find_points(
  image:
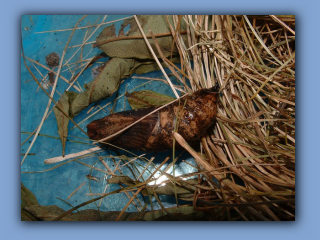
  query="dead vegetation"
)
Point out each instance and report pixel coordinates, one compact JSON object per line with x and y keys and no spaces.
{"x":246,"y":163}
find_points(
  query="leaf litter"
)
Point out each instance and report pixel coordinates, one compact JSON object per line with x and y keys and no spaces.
{"x":251,"y":151}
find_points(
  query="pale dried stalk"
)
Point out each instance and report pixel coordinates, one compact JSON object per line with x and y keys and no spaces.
{"x":101,"y":108}
{"x":283,"y":24}
{"x":45,"y":67}
{"x":127,"y":205}
{"x":69,"y":156}
{"x":76,"y":190}
{"x":212,"y":171}
{"x":129,"y":126}
{"x":83,"y":44}
{"x":52,"y":92}
{"x":155,"y":57}
{"x":96,"y":25}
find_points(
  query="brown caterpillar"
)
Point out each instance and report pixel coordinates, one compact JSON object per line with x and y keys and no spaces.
{"x":196,"y":113}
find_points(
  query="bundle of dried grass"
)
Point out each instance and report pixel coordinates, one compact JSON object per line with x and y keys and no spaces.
{"x":251,"y":152}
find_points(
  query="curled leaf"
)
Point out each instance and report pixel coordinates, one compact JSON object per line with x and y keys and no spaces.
{"x":62,"y":120}
{"x":27,"y":197}
{"x":132,"y":44}
{"x":147,"y":98}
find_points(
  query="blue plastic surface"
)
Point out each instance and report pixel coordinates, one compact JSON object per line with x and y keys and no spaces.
{"x":50,"y":186}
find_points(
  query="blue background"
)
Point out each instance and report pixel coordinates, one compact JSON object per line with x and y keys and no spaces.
{"x":50,"y":187}
{"x":307,"y":213}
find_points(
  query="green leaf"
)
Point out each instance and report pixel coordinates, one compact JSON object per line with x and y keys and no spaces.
{"x":45,"y":213}
{"x":132,"y":44}
{"x":62,"y":120}
{"x":147,"y":98}
{"x":26,"y":216}
{"x":27,"y":197}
